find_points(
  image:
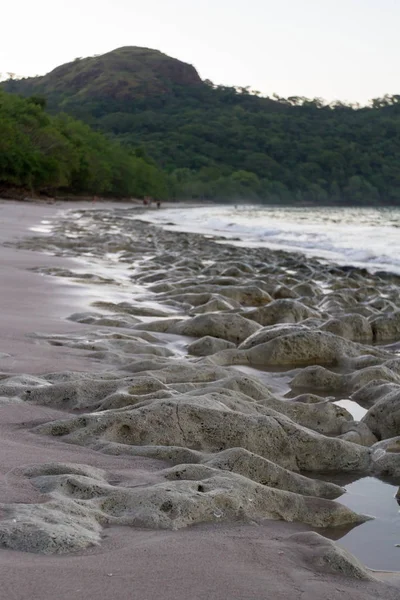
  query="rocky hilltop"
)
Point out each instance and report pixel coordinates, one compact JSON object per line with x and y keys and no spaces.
{"x":128,"y":72}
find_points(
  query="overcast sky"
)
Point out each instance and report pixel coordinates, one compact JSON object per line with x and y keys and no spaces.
{"x":335,"y":49}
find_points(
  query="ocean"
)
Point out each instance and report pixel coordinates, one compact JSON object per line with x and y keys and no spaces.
{"x":362,"y":237}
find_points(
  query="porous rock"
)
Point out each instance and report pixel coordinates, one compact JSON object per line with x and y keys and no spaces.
{"x":304,"y":348}
{"x":231,"y":327}
{"x":201,"y":423}
{"x":208,"y":345}
{"x":383,"y":419}
{"x":386,"y":327}
{"x":80,"y":506}
{"x":327,"y":557}
{"x":281,"y":311}
{"x":352,"y":327}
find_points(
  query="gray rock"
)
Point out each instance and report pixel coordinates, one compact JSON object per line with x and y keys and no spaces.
{"x":325,"y":556}
{"x":208,"y":345}
{"x":205,"y":423}
{"x":351,"y":327}
{"x":80,"y":506}
{"x":231,"y":327}
{"x":386,"y":327}
{"x":383,"y":419}
{"x":281,"y":311}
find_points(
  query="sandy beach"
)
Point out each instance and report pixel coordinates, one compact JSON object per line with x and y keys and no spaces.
{"x":146,"y":448}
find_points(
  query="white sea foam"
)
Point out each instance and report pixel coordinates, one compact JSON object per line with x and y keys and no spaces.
{"x":363,"y":237}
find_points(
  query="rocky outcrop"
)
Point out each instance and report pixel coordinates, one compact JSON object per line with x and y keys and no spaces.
{"x":230,"y":327}
{"x":81,"y":505}
{"x":324,"y":555}
{"x":231,"y":420}
{"x":209,"y":345}
{"x":125,"y":73}
{"x":281,"y":311}
{"x":383,"y":419}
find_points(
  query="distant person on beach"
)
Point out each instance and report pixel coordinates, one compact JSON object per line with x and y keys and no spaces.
{"x":158,"y":203}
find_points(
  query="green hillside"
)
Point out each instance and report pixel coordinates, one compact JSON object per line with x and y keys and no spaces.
{"x":40,"y":153}
{"x":225,"y":143}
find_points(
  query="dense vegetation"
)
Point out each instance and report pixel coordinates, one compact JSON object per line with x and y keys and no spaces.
{"x":224,"y":143}
{"x":218,"y":142}
{"x":40,"y":153}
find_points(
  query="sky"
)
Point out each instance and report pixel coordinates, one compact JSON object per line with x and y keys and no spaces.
{"x":333,"y":49}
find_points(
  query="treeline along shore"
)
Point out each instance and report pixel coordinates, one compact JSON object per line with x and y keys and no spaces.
{"x":153,"y":127}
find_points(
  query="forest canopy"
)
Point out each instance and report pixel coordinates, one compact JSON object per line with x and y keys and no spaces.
{"x":58,"y":154}
{"x":153,"y":127}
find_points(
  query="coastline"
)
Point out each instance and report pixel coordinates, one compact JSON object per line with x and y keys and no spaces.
{"x":366,"y":238}
{"x":32,"y":302}
{"x":215,"y":560}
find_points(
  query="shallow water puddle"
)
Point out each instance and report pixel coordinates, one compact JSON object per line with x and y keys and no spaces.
{"x":356,"y":411}
{"x":374,"y":542}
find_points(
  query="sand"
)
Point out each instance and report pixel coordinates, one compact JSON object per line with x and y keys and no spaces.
{"x":255,"y":558}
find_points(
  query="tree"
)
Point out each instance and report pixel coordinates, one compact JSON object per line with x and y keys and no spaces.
{"x":207,"y":141}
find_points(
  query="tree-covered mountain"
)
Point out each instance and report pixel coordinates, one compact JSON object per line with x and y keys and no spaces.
{"x":219,"y":142}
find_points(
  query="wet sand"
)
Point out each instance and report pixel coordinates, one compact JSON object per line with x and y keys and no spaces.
{"x":31,"y":302}
{"x":214,"y":560}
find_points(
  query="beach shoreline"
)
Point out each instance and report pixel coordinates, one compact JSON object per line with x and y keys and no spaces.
{"x":212,"y":561}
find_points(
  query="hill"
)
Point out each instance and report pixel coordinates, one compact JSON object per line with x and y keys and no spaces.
{"x":120,"y":75}
{"x":219,"y":142}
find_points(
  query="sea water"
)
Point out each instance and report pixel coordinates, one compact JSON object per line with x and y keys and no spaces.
{"x":362,"y":237}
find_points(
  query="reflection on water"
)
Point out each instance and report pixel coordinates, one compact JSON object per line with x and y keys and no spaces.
{"x":374,"y":542}
{"x":356,"y":411}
